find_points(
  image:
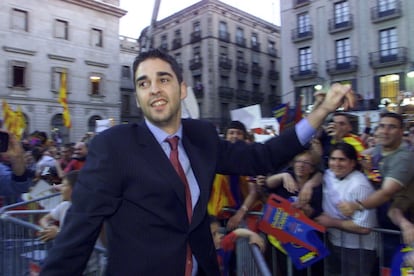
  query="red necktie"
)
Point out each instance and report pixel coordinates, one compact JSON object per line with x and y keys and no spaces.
{"x":173,"y":142}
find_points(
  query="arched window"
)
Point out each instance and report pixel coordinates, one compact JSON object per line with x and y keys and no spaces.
{"x":59,"y":133}
{"x":92,"y":122}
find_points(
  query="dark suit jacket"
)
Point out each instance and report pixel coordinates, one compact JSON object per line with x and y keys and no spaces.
{"x":129,"y":182}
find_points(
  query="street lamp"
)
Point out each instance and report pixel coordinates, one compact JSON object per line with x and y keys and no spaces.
{"x":319,"y":83}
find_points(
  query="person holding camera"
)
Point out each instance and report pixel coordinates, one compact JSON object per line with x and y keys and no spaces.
{"x":15,"y":178}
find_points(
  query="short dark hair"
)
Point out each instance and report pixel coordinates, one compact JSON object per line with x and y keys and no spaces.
{"x":237,"y":125}
{"x":344,"y":114}
{"x":72,"y":177}
{"x":348,"y":150}
{"x":157,"y":53}
{"x":394,"y":115}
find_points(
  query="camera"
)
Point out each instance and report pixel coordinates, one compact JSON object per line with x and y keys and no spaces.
{"x":4,"y":141}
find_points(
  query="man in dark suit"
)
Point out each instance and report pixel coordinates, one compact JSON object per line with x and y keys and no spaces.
{"x":129,"y":183}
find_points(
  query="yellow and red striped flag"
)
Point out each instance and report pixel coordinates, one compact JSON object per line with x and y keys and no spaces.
{"x":64,"y":101}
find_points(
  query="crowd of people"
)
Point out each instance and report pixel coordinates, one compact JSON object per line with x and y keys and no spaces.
{"x":158,"y":222}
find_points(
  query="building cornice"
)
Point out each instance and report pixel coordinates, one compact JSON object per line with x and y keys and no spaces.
{"x":61,"y":58}
{"x":19,"y":51}
{"x":96,"y":64}
{"x":99,"y":6}
{"x":219,"y":7}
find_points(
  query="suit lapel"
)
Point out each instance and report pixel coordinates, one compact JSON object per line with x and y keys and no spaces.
{"x":155,"y":155}
{"x":199,"y":163}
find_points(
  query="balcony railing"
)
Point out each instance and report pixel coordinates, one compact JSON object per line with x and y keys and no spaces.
{"x":225,"y":63}
{"x":195,"y":36}
{"x":389,"y":57}
{"x":302,"y":33}
{"x":257,"y":97}
{"x":302,"y":72}
{"x":342,"y":65}
{"x":224,"y":36}
{"x":195,"y":63}
{"x":256,"y":46}
{"x":274,"y":99}
{"x":378,"y":13}
{"x":241,"y":41}
{"x":257,"y":70}
{"x":300,"y":3}
{"x":226,"y":93}
{"x":176,"y":43}
{"x":273,"y":74}
{"x":242,"y":95}
{"x":344,"y":25}
{"x":164,"y":46}
{"x":242,"y":67}
{"x":272,"y":52}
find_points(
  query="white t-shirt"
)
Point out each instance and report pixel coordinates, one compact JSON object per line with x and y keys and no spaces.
{"x":355,"y":186}
{"x":59,"y":212}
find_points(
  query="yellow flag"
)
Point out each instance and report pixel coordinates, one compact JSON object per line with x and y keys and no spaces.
{"x":13,"y":121}
{"x":63,"y":100}
{"x":20,"y":122}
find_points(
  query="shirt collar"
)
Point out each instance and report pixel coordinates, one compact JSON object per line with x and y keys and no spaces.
{"x":160,"y":135}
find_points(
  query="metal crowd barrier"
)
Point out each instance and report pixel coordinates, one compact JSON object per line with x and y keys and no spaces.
{"x":21,"y":251}
{"x":250,"y":261}
{"x":380,"y":268}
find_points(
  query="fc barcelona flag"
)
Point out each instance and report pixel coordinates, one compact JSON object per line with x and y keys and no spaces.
{"x":281,"y":113}
{"x":64,"y":101}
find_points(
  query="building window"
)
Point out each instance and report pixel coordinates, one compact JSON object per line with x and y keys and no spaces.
{"x":224,"y":52}
{"x":305,"y":59}
{"x":240,"y":36}
{"x":196,"y":26}
{"x":224,"y":81}
{"x":223,"y":34}
{"x":388,"y":42}
{"x":126,"y":103}
{"x":272,"y":65}
{"x":273,"y":89}
{"x":390,"y":87}
{"x":61,"y":29}
{"x":272,"y":48}
{"x":164,"y":42}
{"x":306,"y":92}
{"x":97,"y":39}
{"x":57,"y":79}
{"x":386,"y":5}
{"x":95,"y":84}
{"x":126,"y":72}
{"x":255,"y":58}
{"x":177,"y":57}
{"x":240,"y":56}
{"x":20,"y":20}
{"x":177,"y":33}
{"x":92,"y":122}
{"x":343,"y":50}
{"x":255,"y":39}
{"x":341,"y":12}
{"x":18,"y":74}
{"x":197,"y":83}
{"x":196,"y":54}
{"x":304,"y":23}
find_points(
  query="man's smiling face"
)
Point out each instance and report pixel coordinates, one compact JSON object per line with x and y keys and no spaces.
{"x":159,"y":94}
